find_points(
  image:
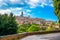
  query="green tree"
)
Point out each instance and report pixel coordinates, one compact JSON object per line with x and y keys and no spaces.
{"x":8,"y":24}
{"x":57,"y":9}
{"x":23,"y":28}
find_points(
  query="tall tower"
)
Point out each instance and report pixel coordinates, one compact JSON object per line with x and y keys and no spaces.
{"x":21,"y":14}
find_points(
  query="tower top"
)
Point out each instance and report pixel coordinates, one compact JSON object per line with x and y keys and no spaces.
{"x":21,"y":14}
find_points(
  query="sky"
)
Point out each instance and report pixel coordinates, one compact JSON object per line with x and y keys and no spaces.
{"x":35,"y":8}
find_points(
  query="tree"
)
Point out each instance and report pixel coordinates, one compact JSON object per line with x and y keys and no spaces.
{"x":23,"y":28}
{"x":8,"y":24}
{"x":57,"y":9}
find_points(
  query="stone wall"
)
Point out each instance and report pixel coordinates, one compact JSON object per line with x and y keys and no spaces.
{"x":22,"y":35}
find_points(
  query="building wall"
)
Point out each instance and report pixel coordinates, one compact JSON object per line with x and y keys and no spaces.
{"x":26,"y":20}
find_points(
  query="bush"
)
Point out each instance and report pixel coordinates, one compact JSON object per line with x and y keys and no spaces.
{"x":23,"y":28}
{"x":50,"y":28}
{"x":33,"y":28}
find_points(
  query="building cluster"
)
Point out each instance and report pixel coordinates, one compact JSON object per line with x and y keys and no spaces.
{"x":27,"y":20}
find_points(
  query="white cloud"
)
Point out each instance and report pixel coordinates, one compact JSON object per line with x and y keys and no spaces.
{"x":17,"y":2}
{"x":14,"y":10}
{"x":41,"y":3}
{"x":51,"y":5}
{"x":14,"y":1}
{"x":5,"y":11}
{"x":32,"y":3}
{"x":28,"y":10}
{"x":19,"y":8}
{"x":2,"y":3}
{"x":27,"y":14}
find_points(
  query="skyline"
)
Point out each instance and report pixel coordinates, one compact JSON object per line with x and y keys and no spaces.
{"x":35,"y":8}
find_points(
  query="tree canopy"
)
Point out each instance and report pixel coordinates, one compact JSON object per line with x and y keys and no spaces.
{"x":57,"y":8}
{"x":8,"y":24}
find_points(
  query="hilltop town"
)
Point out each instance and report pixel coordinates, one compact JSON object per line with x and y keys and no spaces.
{"x":27,"y":20}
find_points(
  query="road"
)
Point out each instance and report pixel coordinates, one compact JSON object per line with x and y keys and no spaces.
{"x":52,"y":36}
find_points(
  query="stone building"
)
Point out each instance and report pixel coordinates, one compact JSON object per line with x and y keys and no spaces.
{"x":27,"y":20}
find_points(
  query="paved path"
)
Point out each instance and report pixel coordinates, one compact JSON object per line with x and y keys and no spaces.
{"x":52,"y":36}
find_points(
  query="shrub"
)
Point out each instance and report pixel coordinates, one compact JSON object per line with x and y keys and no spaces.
{"x":33,"y":28}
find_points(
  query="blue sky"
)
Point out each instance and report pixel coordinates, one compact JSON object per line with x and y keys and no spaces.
{"x":35,"y":8}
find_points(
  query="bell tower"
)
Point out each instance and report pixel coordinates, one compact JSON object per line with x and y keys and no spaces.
{"x":21,"y":14}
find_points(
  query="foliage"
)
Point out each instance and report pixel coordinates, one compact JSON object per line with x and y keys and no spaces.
{"x":50,"y":28}
{"x":23,"y":27}
{"x":57,"y":8}
{"x":33,"y":28}
{"x":8,"y":24}
{"x":28,"y":28}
